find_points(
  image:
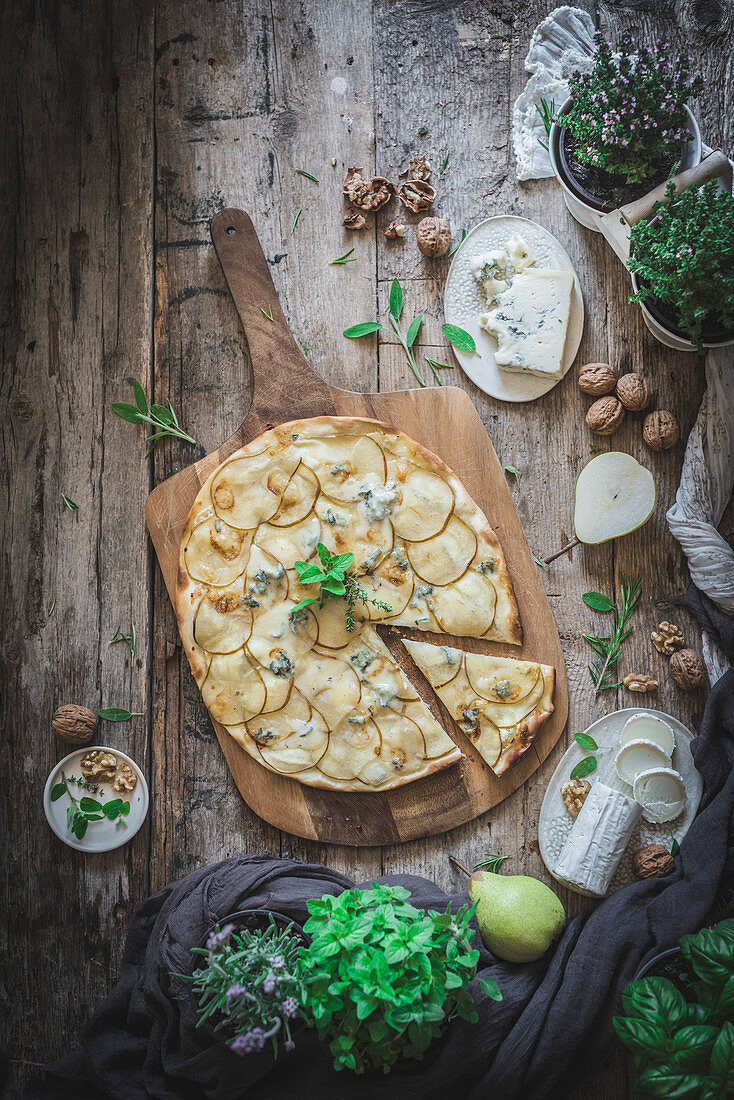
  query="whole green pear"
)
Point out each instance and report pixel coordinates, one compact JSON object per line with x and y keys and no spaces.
{"x":518,"y":916}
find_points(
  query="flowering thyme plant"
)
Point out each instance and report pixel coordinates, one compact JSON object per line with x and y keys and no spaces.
{"x":627,"y":111}
{"x":250,"y":986}
{"x":383,"y":976}
{"x":684,"y":257}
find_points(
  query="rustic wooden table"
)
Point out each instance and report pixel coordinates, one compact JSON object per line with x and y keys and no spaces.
{"x":125,"y":128}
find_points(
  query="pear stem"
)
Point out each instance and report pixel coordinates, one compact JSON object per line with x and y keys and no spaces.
{"x":564,"y":550}
{"x":461,"y":866}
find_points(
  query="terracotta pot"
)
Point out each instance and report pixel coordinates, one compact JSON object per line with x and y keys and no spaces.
{"x":584,"y":206}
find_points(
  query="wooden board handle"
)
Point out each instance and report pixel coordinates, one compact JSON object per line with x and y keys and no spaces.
{"x":278,"y":364}
{"x":715,"y":164}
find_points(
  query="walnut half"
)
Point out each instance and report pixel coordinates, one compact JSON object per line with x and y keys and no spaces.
{"x":667,"y":638}
{"x":638,"y":681}
{"x":125,"y":780}
{"x":99,"y":764}
{"x":573,"y":793}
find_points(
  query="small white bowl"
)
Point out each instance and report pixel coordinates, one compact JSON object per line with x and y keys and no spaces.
{"x":101,"y":836}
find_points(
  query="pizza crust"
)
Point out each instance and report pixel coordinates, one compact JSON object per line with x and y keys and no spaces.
{"x":422,"y":546}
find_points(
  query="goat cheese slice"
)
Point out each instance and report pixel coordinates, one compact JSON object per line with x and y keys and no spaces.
{"x":598,"y":839}
{"x":530,"y":322}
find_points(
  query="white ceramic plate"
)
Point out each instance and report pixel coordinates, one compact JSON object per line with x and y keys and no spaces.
{"x":101,"y":836}
{"x":556,"y":822}
{"x":463,"y":305}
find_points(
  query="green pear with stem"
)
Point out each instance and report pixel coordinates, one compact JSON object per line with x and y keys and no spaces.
{"x":518,"y":916}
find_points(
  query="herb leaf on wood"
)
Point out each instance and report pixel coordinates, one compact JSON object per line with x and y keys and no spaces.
{"x":67,"y":503}
{"x":607,"y":648}
{"x":160,"y":416}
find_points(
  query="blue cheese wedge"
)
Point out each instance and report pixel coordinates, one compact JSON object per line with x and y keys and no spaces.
{"x":597,"y":840}
{"x":530,"y":322}
{"x":495,"y":271}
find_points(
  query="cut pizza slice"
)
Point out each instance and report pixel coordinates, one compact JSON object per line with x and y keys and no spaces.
{"x":498,"y":702}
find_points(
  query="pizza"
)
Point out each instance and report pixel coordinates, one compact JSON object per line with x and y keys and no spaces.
{"x":302,"y":693}
{"x":498,"y":702}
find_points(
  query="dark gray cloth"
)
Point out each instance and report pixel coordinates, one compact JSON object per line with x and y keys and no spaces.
{"x":554,"y":1021}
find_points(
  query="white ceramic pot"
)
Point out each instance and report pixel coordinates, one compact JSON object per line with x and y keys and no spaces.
{"x":672,"y":336}
{"x":582,"y":206}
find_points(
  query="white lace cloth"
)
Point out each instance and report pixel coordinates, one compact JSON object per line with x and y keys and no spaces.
{"x":562,"y":43}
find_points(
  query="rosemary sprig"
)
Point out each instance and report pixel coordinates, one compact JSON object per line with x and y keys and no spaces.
{"x":491,"y":862}
{"x":436,"y":367}
{"x":66,"y":502}
{"x":347,"y":258}
{"x":546,"y":111}
{"x":444,"y":162}
{"x":129,"y":639}
{"x":406,"y":339}
{"x":159,"y":416}
{"x":296,"y":216}
{"x":458,"y":245}
{"x":308,"y":175}
{"x":267,"y":313}
{"x":609,"y":647}
{"x":50,"y":611}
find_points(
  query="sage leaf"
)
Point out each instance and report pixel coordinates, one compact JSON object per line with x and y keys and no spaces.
{"x":363,"y":329}
{"x":396,"y":299}
{"x":57,"y":790}
{"x":584,"y":767}
{"x":459,"y":337}
{"x":413,"y":330}
{"x":511,"y":470}
{"x":598,"y":601}
{"x":127,"y":411}
{"x":90,"y":804}
{"x":140,"y":399}
{"x":160,"y":412}
{"x":586,"y":741}
{"x":117,"y":714}
{"x":674,"y":847}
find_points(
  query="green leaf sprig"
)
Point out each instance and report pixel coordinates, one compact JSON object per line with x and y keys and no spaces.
{"x":334,"y":581}
{"x":681,"y":1047}
{"x":589,"y":763}
{"x":444,"y":162}
{"x":345,"y":258}
{"x":161,"y":417}
{"x":407,"y":339}
{"x":67,"y":503}
{"x":609,"y":647}
{"x":129,"y":639}
{"x":363,"y":329}
{"x":490,"y":862}
{"x":296,"y":216}
{"x":383,"y":976}
{"x":85,"y":810}
{"x":118,"y":714}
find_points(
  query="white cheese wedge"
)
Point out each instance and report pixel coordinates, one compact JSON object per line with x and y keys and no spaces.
{"x":530,"y":322}
{"x":648,"y":727}
{"x":598,"y":839}
{"x":661,"y":792}
{"x":639,"y":756}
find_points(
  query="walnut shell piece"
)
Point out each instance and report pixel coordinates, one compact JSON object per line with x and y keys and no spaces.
{"x":688,"y":669}
{"x":654,"y":861}
{"x":354,"y":221}
{"x":354,"y":185}
{"x":372,"y":195}
{"x":125,"y":780}
{"x":99,"y":764}
{"x":639,"y":681}
{"x":395,"y":229}
{"x":433,"y":236}
{"x":573,"y":793}
{"x":667,"y":638}
{"x":634,"y":392}
{"x":605,"y":415}
{"x":419,"y":167}
{"x":597,"y":379}
{"x":73,"y":724}
{"x":416,"y":195}
{"x":660,"y":430}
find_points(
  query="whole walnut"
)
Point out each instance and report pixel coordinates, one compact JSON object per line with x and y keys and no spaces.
{"x":597,"y":379}
{"x":433,"y":236}
{"x":688,"y":669}
{"x":654,"y":861}
{"x":73,"y":724}
{"x":660,"y":430}
{"x":634,"y":392}
{"x":605,"y":415}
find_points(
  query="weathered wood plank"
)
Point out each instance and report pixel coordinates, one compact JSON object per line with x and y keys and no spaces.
{"x":77,"y":221}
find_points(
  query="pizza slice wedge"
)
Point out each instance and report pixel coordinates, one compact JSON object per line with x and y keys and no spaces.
{"x":499,"y":703}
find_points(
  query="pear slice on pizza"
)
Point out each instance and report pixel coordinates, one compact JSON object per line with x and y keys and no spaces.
{"x":499,"y":703}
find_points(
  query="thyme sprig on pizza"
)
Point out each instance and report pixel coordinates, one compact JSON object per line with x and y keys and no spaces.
{"x":333,"y":580}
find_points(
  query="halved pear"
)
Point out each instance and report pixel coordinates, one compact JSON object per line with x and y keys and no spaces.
{"x":614,"y":495}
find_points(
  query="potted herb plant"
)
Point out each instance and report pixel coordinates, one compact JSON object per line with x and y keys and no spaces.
{"x":249,"y":991}
{"x":682,"y":265}
{"x":383,"y":978}
{"x":679,"y":1018}
{"x":624,"y":128}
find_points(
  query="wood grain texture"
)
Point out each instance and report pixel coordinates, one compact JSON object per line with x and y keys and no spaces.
{"x":126,"y":128}
{"x":286,"y":387}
